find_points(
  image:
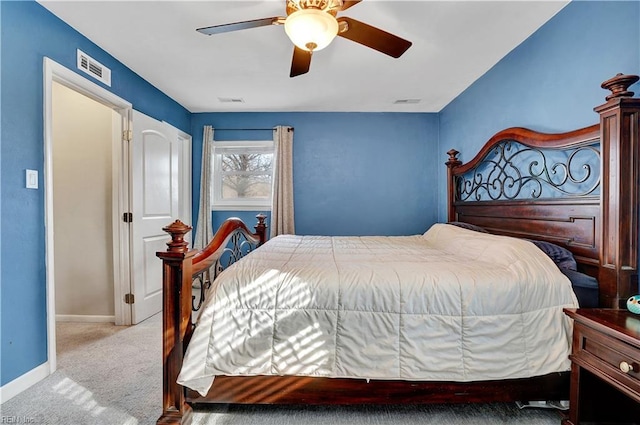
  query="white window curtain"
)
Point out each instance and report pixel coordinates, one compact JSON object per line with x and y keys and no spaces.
{"x":204,"y":226}
{"x":282,"y":190}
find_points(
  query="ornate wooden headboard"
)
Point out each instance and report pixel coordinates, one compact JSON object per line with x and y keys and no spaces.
{"x":578,"y":189}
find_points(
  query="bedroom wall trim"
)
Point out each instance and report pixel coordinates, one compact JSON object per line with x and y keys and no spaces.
{"x":84,"y":318}
{"x":21,"y":383}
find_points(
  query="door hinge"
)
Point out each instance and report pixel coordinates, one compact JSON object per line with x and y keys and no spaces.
{"x":129,"y":298}
{"x":127,"y":217}
{"x":127,"y":135}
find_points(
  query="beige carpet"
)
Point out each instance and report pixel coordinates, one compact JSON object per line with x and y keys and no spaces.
{"x":112,"y":375}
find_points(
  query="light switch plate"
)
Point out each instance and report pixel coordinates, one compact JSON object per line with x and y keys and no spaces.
{"x":32,"y":179}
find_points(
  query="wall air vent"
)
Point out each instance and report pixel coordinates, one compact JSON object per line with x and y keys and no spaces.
{"x":230,"y":100}
{"x":94,"y":68}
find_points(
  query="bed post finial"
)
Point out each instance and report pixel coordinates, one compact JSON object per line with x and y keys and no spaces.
{"x":453,"y":160}
{"x":177,"y":230}
{"x":261,"y":228}
{"x":619,"y":85}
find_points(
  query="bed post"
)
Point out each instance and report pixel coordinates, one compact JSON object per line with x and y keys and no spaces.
{"x":261,"y":228}
{"x":451,"y":163}
{"x":176,"y":326}
{"x":620,"y":145}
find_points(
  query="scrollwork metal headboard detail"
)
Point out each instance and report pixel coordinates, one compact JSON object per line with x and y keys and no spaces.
{"x":237,"y":248}
{"x":512,"y":170}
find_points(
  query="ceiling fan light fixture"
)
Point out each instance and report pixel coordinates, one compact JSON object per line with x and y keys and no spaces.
{"x":311,"y":29}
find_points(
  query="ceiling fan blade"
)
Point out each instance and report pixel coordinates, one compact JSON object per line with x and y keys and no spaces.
{"x":373,"y":37}
{"x":347,"y":4}
{"x":301,"y":62}
{"x":236,"y":26}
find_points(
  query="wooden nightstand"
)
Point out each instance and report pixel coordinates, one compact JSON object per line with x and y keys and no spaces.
{"x":605,"y":367}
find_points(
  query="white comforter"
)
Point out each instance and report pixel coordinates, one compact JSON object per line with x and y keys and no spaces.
{"x":449,"y":305}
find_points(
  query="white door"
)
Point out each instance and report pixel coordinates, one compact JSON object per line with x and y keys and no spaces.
{"x":154,"y":204}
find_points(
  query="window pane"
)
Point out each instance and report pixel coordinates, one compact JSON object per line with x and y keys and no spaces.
{"x":244,"y":186}
{"x":242,"y":174}
{"x":247,"y":162}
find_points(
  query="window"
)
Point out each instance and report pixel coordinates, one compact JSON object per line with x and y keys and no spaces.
{"x":242,"y":173}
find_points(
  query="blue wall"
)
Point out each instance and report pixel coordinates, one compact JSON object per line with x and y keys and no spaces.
{"x":28,"y":33}
{"x":550,"y":82}
{"x":355,"y":173}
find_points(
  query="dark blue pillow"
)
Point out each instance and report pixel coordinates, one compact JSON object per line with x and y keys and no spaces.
{"x":584,"y":286}
{"x":467,"y":226}
{"x":561,"y":256}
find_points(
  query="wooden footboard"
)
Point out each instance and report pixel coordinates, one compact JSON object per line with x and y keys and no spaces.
{"x":180,"y":266}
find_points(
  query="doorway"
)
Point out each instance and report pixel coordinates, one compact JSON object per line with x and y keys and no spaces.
{"x":56,"y":73}
{"x":118,"y":251}
{"x":83,"y":136}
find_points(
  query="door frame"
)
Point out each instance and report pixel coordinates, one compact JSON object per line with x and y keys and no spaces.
{"x":53,"y":71}
{"x":186,"y":176}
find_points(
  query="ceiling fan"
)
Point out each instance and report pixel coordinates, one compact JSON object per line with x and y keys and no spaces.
{"x":312,"y":25}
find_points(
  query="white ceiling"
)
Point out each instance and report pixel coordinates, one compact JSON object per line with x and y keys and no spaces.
{"x":454,"y":43}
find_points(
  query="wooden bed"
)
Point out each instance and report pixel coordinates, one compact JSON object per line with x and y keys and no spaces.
{"x":599,"y":225}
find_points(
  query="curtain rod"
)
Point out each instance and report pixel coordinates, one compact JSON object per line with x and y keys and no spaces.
{"x":248,"y":129}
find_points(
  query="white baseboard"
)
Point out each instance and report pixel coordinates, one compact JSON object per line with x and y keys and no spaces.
{"x":84,"y":318}
{"x":21,"y":383}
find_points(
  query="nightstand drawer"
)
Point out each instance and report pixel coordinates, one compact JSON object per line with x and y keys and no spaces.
{"x":605,"y":367}
{"x":619,"y":361}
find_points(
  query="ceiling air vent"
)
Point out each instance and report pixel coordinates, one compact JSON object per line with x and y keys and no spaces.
{"x":230,"y":100}
{"x":406,"y":101}
{"x":94,"y":68}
